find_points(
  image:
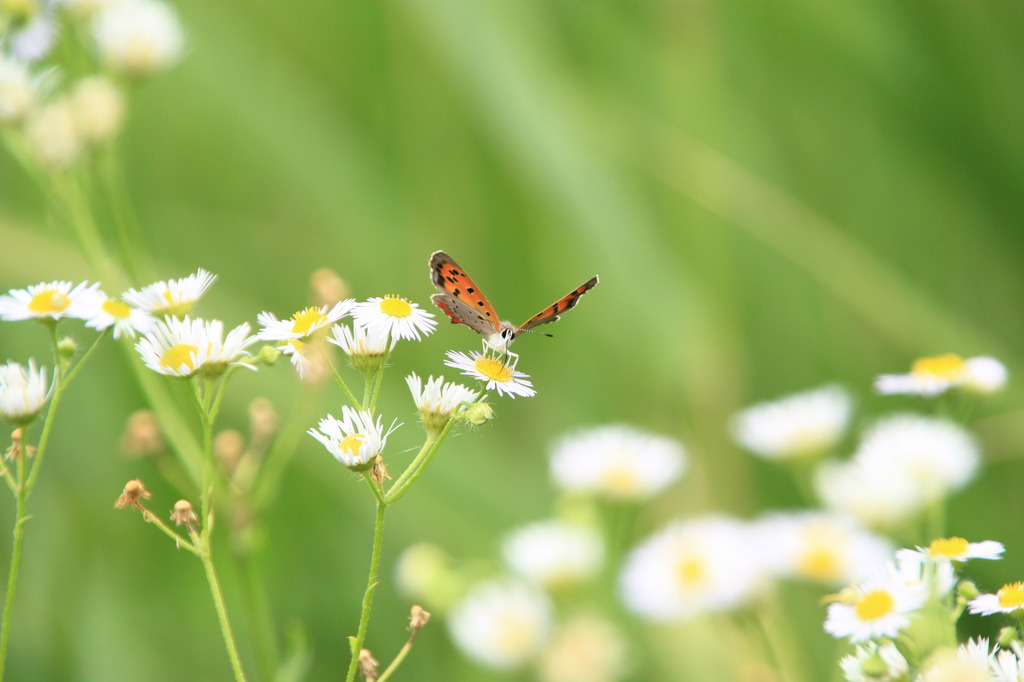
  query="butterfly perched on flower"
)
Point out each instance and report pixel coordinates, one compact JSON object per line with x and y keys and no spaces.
{"x":462,"y":301}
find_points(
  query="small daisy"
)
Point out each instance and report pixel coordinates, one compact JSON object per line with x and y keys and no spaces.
{"x":970,"y":662}
{"x":875,"y":663}
{"x":958,"y":549}
{"x":554,"y":554}
{"x":309,"y":358}
{"x":360,"y":343}
{"x":875,"y":609}
{"x":501,"y":624}
{"x":302,"y":324}
{"x":1009,"y":599}
{"x":183,"y":347}
{"x":499,"y":376}
{"x":355,"y":440}
{"x":804,"y":424}
{"x":138,"y":38}
{"x":618,"y":462}
{"x":821,"y":547}
{"x":101,"y":312}
{"x":174,"y":297}
{"x":437,"y":401}
{"x":934,"y":375}
{"x":47,"y":301}
{"x":396,"y":316}
{"x":691,"y":568}
{"x":1007,"y":666}
{"x":23,"y":391}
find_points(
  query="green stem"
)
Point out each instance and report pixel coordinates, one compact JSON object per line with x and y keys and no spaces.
{"x":371,"y":584}
{"x":149,"y":517}
{"x":393,"y":666}
{"x":341,"y":382}
{"x":12,"y":577}
{"x":218,"y":603}
{"x":259,"y":615}
{"x":418,"y":464}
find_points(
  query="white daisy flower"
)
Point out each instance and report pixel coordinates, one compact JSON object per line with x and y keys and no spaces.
{"x":936,"y":578}
{"x":498,"y":376}
{"x":436,"y":400}
{"x":875,"y":609}
{"x":18,"y":90}
{"x":1007,"y":666}
{"x":355,"y":440}
{"x":302,"y":324}
{"x":934,"y":375}
{"x":23,"y":391}
{"x":50,"y":300}
{"x":501,"y":624}
{"x":309,"y":358}
{"x":585,"y":649}
{"x":1009,"y":599}
{"x":182,"y":347}
{"x":958,"y":549}
{"x":691,"y":568}
{"x":971,"y":662}
{"x":138,"y":38}
{"x":100,"y":312}
{"x":553,"y":554}
{"x":358,"y":341}
{"x":868,"y":494}
{"x":398,"y":317}
{"x":618,"y":462}
{"x":870,"y":659}
{"x":821,"y":547}
{"x":803,"y":424}
{"x":174,"y":297}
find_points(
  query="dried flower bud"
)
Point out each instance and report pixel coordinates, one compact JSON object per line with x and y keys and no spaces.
{"x":228,"y":447}
{"x":183,"y":514}
{"x":142,"y":435}
{"x":17,"y":448}
{"x":263,"y":421}
{"x":133,"y":492}
{"x":378,"y":472}
{"x":328,"y":288}
{"x":368,"y":665}
{"x":418,"y":617}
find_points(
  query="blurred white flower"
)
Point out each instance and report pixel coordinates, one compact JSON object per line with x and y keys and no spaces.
{"x":309,"y":358}
{"x":1009,"y":599}
{"x":496,"y":374}
{"x":958,"y":549}
{"x":584,"y":649}
{"x":47,"y":300}
{"x":1007,"y":666}
{"x":799,"y":425}
{"x":970,"y":662}
{"x":183,"y":347}
{"x":18,"y":90}
{"x":34,"y":39}
{"x":885,"y":658}
{"x":356,"y":439}
{"x":98,"y":107}
{"x":937,"y":374}
{"x":618,"y":462}
{"x":23,"y":391}
{"x":138,"y":38}
{"x":821,"y":547}
{"x":501,"y":624}
{"x":173,"y":297}
{"x":553,"y":553}
{"x":53,"y":135}
{"x":690,"y":568}
{"x":394,"y":315}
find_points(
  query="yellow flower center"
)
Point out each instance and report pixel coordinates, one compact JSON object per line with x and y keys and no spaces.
{"x":350,"y":444}
{"x":492,"y":369}
{"x":874,"y":605}
{"x":819,"y":563}
{"x":116,"y":309}
{"x":949,"y":367}
{"x":691,"y":573}
{"x":307,"y":319}
{"x":948,"y":548}
{"x":619,"y":482}
{"x":179,"y":355}
{"x":515,"y":636}
{"x":392,"y":306}
{"x":1011,"y":595}
{"x":48,"y":301}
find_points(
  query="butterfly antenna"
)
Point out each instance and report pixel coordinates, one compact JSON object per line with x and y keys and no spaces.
{"x":534,"y":331}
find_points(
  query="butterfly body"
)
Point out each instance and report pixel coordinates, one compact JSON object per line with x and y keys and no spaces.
{"x":461,"y":300}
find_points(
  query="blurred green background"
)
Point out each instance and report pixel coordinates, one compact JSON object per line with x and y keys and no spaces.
{"x":775,"y":195}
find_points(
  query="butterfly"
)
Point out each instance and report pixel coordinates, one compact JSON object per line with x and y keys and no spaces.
{"x":462,"y":300}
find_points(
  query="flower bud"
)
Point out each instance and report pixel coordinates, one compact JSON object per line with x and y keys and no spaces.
{"x":142,"y":435}
{"x":133,"y":492}
{"x":328,"y":288}
{"x":479,"y":414}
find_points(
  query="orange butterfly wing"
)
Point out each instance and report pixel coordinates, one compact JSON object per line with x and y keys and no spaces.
{"x":553,"y":311}
{"x":460,"y":298}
